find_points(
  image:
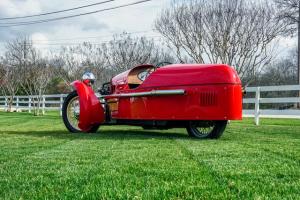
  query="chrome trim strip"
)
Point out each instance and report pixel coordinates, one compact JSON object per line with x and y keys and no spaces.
{"x":151,"y":93}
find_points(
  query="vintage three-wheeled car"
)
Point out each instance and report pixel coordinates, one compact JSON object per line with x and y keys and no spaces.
{"x":198,"y":97}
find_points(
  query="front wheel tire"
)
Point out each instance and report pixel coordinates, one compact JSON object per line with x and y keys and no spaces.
{"x":71,"y":112}
{"x":206,"y":130}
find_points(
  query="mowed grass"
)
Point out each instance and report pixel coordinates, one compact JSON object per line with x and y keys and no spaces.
{"x":39,"y":159}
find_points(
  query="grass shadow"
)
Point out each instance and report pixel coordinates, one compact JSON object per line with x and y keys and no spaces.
{"x":103,"y":134}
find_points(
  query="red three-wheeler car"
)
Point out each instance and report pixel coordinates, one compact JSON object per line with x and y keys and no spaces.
{"x":198,"y":97}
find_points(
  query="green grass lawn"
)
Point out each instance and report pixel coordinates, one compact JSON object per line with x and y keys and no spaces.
{"x":39,"y":159}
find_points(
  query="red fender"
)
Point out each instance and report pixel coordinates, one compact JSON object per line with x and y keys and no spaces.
{"x":91,"y":111}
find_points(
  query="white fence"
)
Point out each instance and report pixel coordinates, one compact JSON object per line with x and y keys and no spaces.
{"x":49,"y":102}
{"x":257,"y":101}
{"x":54,"y":102}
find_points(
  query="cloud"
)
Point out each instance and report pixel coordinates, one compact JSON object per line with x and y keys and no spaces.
{"x":39,"y":38}
{"x":10,"y":8}
{"x":129,"y":19}
{"x":287,"y":42}
{"x":93,"y":25}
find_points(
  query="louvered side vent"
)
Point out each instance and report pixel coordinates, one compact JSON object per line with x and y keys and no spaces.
{"x":208,"y":99}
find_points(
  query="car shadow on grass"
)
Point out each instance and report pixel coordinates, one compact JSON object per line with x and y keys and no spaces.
{"x":103,"y":135}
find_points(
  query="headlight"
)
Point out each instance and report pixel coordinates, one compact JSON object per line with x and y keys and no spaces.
{"x":88,"y":76}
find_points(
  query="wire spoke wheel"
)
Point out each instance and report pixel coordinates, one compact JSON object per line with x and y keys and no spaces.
{"x":73,"y":112}
{"x":206,"y":129}
{"x":203,"y":130}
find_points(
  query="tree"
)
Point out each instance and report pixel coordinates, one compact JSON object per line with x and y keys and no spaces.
{"x":67,"y":64}
{"x":235,"y":32}
{"x":9,"y":82}
{"x":106,"y":60}
{"x":72,"y":62}
{"x":33,"y":72}
{"x":288,"y":12}
{"x":94,"y":60}
{"x":125,"y":52}
{"x":281,"y":71}
{"x":3,"y":90}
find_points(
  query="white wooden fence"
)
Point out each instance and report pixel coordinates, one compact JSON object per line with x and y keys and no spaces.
{"x":54,"y":102}
{"x":257,"y":101}
{"x":49,"y":102}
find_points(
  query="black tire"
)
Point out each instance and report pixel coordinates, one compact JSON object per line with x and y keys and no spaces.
{"x":215,"y":129}
{"x":66,"y":121}
{"x":94,"y":129}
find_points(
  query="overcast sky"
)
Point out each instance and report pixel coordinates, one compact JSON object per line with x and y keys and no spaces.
{"x":85,"y":28}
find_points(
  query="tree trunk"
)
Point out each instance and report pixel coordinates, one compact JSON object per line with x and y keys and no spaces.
{"x":38,"y":106}
{"x":34,"y":106}
{"x":10,"y":103}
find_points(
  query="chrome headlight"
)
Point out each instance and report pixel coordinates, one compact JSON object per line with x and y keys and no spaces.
{"x":88,"y":76}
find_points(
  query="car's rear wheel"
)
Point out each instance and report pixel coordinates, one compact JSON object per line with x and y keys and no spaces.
{"x":71,"y":112}
{"x":207,"y":129}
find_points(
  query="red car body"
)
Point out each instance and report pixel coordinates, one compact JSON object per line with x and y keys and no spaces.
{"x":180,"y":92}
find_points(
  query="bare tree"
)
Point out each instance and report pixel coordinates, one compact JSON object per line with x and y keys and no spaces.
{"x":68,"y":64}
{"x":94,"y":60}
{"x":3,"y":70}
{"x":125,"y":52}
{"x":9,"y":82}
{"x":72,"y":62}
{"x":33,"y":72}
{"x":106,"y":60}
{"x":42,"y":75}
{"x":281,"y":71}
{"x":288,"y":11}
{"x":235,"y":32}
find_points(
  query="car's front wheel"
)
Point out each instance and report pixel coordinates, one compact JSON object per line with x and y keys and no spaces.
{"x":206,"y":129}
{"x":71,"y":112}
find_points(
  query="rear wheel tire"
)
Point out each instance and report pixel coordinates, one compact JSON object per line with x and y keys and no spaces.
{"x":205,"y":130}
{"x":70,"y":114}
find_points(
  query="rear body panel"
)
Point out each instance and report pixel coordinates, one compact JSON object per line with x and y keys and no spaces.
{"x":221,"y":102}
{"x":211,"y":92}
